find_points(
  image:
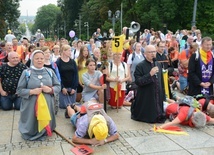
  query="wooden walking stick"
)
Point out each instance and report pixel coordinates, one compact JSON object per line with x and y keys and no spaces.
{"x":104,"y":61}
{"x":105,"y":97}
{"x":77,"y":149}
{"x":117,"y":90}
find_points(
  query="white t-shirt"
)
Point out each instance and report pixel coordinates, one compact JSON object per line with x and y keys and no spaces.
{"x":9,"y":38}
{"x":121,"y":74}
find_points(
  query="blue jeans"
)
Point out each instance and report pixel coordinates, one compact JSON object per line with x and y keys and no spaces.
{"x":183,"y":82}
{"x":74,"y":118}
{"x":8,"y":101}
{"x":65,"y":100}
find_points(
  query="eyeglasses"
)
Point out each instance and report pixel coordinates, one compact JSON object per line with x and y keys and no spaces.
{"x":150,"y":52}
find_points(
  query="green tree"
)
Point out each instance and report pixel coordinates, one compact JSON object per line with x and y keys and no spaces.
{"x":159,"y":14}
{"x":46,"y":19}
{"x":155,"y":13}
{"x":9,"y":15}
{"x":71,"y":12}
{"x":205,"y":17}
{"x":96,"y":13}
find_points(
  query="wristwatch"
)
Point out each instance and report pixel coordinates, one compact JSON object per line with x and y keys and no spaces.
{"x":105,"y":140}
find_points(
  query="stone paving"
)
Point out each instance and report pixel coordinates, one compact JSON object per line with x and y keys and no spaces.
{"x":135,"y":138}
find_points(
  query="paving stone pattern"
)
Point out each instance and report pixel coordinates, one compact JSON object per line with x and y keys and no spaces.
{"x":136,"y":138}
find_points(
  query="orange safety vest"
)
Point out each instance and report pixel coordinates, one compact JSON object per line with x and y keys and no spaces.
{"x":20,"y":51}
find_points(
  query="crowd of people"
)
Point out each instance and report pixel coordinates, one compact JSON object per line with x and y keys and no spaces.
{"x":37,"y":79}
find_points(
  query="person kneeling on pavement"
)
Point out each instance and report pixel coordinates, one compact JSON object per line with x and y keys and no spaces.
{"x":9,"y":78}
{"x":181,"y":114}
{"x":93,"y":125}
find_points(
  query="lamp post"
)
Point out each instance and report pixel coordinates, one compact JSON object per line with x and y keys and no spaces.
{"x":78,"y":23}
{"x":164,"y":28}
{"x":87,"y":29}
{"x":58,"y":31}
{"x":194,"y":12}
{"x":6,"y":26}
{"x":64,"y":28}
{"x":113,"y":17}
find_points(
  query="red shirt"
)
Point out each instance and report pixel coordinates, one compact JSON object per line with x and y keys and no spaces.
{"x":183,"y":113}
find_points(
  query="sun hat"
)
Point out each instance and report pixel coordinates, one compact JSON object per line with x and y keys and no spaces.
{"x":98,"y":127}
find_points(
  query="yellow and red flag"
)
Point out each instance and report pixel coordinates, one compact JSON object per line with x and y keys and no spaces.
{"x":43,"y":114}
{"x":117,"y":90}
{"x":170,"y":130}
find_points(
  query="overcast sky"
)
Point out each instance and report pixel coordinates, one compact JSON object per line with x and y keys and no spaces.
{"x":31,"y":6}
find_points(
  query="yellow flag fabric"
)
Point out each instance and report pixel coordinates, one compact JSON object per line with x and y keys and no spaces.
{"x":165,"y":79}
{"x":117,"y":90}
{"x":43,"y":113}
{"x":169,"y":132}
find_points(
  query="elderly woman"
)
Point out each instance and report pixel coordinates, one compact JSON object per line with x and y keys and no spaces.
{"x":35,"y":82}
{"x":117,"y":77}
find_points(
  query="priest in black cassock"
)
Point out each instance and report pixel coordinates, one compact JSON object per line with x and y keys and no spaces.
{"x":148,"y":104}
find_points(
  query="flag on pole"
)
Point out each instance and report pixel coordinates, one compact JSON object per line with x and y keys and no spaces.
{"x":165,"y":79}
{"x":117,"y":90}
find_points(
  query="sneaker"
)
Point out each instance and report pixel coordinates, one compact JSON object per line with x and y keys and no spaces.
{"x":73,"y":106}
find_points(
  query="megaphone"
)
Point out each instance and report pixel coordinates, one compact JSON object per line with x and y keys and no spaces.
{"x":134,"y":27}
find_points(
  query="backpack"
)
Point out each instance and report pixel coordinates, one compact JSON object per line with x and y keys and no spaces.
{"x":28,"y":73}
{"x":207,"y":99}
{"x":180,"y":66}
{"x":187,"y":53}
{"x":186,"y":101}
{"x":74,"y":53}
{"x":55,"y":67}
{"x":197,"y":54}
{"x":92,"y":109}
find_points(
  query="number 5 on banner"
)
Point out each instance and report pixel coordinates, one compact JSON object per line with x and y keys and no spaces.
{"x":117,"y":44}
